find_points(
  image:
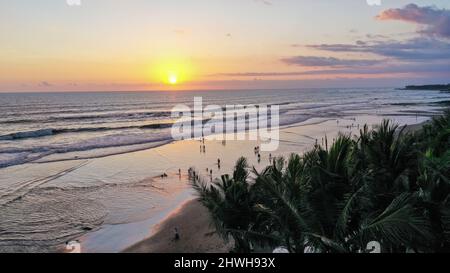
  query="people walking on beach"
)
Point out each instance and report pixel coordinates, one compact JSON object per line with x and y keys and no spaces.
{"x":218,"y":163}
{"x":270,"y":158}
{"x":259,"y":158}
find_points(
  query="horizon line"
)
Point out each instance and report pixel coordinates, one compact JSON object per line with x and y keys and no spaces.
{"x":189,"y":90}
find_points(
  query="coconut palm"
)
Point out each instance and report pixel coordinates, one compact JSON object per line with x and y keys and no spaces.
{"x":380,"y":186}
{"x":230,"y":203}
{"x":328,"y":211}
{"x":434,"y":177}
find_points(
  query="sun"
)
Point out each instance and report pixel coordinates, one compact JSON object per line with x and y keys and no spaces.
{"x":172,"y":79}
{"x":171,"y":71}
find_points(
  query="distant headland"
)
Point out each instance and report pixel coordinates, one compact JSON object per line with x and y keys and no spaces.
{"x":436,"y":87}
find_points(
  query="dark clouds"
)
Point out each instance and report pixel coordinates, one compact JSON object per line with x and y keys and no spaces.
{"x":433,"y":21}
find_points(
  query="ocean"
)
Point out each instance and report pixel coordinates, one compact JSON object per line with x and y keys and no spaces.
{"x":35,"y":126}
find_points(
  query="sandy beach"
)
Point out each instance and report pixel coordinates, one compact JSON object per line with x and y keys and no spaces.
{"x":195,"y":230}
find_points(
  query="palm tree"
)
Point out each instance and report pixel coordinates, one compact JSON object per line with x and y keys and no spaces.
{"x":436,"y":135}
{"x":380,"y":186}
{"x":230,"y":204}
{"x":328,"y":210}
{"x":434,"y":179}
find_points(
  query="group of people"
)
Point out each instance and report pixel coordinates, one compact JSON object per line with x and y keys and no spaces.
{"x":257,"y":151}
{"x":193,"y":175}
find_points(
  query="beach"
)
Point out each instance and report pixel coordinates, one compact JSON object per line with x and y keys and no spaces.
{"x":156,"y":233}
{"x":196,"y":233}
{"x":217,"y":127}
{"x":116,"y":212}
{"x":193,"y":221}
{"x":114,"y":199}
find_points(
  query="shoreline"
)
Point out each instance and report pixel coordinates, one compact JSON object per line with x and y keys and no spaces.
{"x":56,"y":157}
{"x":194,"y":223}
{"x":136,"y":203}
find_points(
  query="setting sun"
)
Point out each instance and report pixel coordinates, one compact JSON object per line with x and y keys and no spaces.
{"x":172,"y":79}
{"x":171,"y":71}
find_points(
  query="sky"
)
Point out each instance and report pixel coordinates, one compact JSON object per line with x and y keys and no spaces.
{"x":105,"y":45}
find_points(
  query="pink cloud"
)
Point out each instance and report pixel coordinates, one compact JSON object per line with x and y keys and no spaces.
{"x":433,"y":21}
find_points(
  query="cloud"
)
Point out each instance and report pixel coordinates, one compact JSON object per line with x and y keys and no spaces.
{"x":377,"y":70}
{"x":426,"y":55}
{"x":416,"y":49}
{"x":45,"y":84}
{"x":376,"y":36}
{"x":433,"y":21}
{"x":315,"y":61}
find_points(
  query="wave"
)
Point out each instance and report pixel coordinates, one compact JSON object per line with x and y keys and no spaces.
{"x":62,"y":115}
{"x":27,"y":134}
{"x":16,"y":156}
{"x":116,"y":116}
{"x":56,"y":131}
{"x":113,"y":115}
{"x":50,"y":131}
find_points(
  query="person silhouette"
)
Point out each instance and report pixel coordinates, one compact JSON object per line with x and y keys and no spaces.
{"x":177,"y":234}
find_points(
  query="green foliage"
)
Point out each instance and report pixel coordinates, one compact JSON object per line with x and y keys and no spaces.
{"x":384,"y":185}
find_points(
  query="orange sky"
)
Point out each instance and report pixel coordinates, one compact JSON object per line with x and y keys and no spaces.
{"x":138,"y":45}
